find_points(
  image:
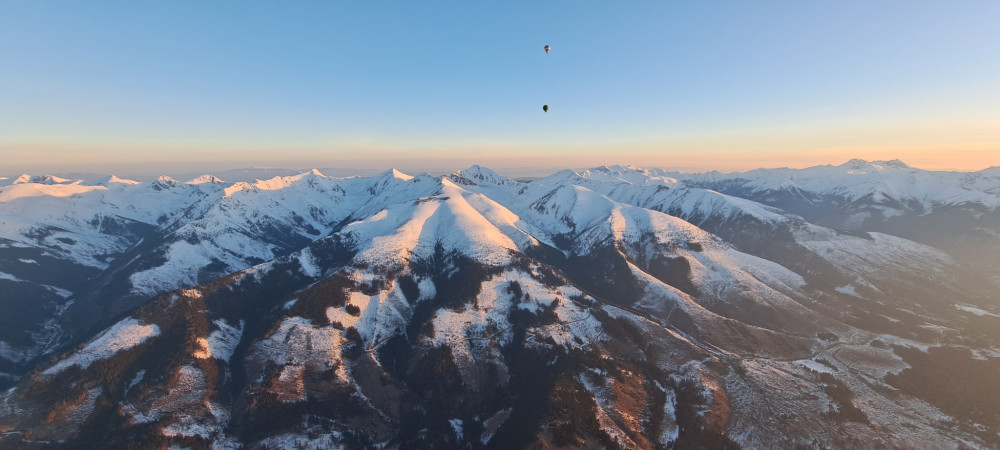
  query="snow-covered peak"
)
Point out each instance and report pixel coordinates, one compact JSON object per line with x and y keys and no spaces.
{"x":391,"y":174}
{"x":628,"y":174}
{"x":115,"y":179}
{"x":237,"y":187}
{"x":572,"y":208}
{"x":397,"y":174}
{"x":313,"y":173}
{"x":456,"y":220}
{"x":565,"y":176}
{"x":890,"y":182}
{"x":894,"y":164}
{"x":856,"y":166}
{"x":163,"y":182}
{"x":590,"y":218}
{"x":477,"y":172}
{"x":309,"y":178}
{"x":619,"y":169}
{"x":43,"y":179}
{"x":990,"y":172}
{"x":380,"y":183}
{"x":206,"y":179}
{"x":112,"y":180}
{"x":654,"y":190}
{"x":486,"y":176}
{"x":49,"y":179}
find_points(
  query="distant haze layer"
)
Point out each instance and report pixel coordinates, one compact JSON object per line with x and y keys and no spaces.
{"x":367,"y":168}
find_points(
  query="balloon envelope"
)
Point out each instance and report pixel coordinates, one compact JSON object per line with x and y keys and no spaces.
{"x":545,"y":108}
{"x":547,"y":48}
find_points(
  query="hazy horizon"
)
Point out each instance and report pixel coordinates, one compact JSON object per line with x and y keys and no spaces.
{"x":253,"y":172}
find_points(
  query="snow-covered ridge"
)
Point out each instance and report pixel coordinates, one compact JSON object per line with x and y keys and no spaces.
{"x":43,"y":179}
{"x":854,"y":178}
{"x":111,"y":180}
{"x":457,"y":219}
{"x":857,"y":178}
{"x":617,"y":283}
{"x":230,"y":226}
{"x":666,"y":194}
{"x":26,"y":190}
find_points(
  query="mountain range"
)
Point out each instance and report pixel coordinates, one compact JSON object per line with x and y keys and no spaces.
{"x":836,"y":306}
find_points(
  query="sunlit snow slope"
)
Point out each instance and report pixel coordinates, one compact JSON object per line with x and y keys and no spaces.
{"x":611,"y":307}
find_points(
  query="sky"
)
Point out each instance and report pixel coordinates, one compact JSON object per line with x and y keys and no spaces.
{"x":137,"y":87}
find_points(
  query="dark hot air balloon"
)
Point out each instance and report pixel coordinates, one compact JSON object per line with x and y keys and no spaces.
{"x":546,"y":107}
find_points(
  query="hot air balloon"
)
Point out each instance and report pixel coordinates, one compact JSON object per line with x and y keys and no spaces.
{"x":545,"y":108}
{"x":547,"y":48}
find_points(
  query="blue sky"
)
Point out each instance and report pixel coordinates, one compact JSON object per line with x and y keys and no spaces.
{"x":127,"y":86}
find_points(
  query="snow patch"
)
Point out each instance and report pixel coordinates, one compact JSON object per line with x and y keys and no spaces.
{"x":58,"y":291}
{"x":298,"y":342}
{"x":670,"y":429}
{"x":192,"y":414}
{"x":122,"y":336}
{"x":308,"y":263}
{"x":427,"y":289}
{"x":221,"y":343}
{"x":456,"y":426}
{"x":79,"y":413}
{"x":977,"y":311}
{"x":327,"y":439}
{"x":848,"y":290}
{"x":604,"y":398}
{"x":135,"y":380}
{"x":493,"y":423}
{"x":814,"y":365}
{"x":7,"y":276}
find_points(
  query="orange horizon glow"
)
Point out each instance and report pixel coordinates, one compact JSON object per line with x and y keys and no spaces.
{"x":165,"y":158}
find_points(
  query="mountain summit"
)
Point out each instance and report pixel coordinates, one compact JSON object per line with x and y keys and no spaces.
{"x":836,"y":306}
